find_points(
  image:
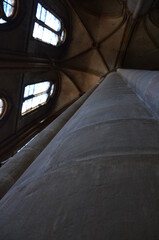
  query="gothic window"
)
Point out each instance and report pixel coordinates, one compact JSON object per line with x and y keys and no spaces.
{"x":3,"y":107}
{"x":48,"y":28}
{"x":36,"y":95}
{"x":8,"y":10}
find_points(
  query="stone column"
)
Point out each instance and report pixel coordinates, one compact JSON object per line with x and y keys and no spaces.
{"x":17,"y":164}
{"x":97,"y":179}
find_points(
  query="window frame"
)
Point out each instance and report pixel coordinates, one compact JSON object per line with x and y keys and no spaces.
{"x":10,"y":18}
{"x":32,"y":110}
{"x":42,"y":24}
{"x":4,"y":111}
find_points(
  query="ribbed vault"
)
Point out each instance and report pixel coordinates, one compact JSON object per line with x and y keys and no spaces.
{"x":102,"y":36}
{"x":106,"y":35}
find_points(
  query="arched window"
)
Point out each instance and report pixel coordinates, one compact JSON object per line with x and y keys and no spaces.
{"x":8,"y":10}
{"x":48,"y":28}
{"x":3,"y":107}
{"x":36,"y":95}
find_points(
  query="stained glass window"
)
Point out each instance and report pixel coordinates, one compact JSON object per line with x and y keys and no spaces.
{"x":36,"y":95}
{"x":47,"y":27}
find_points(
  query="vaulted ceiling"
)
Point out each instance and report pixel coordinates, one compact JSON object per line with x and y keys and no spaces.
{"x":101,"y":36}
{"x":106,"y":35}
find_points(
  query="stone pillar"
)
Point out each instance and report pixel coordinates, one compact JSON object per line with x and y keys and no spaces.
{"x":97,"y":179}
{"x":146,"y":85}
{"x":17,"y":164}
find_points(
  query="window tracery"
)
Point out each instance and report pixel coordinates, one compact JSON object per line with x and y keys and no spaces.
{"x":48,"y":28}
{"x":36,"y":95}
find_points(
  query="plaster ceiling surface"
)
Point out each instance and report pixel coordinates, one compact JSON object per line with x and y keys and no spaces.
{"x":109,"y":34}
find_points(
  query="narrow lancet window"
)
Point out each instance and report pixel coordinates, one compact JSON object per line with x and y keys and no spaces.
{"x":48,"y":28}
{"x":36,"y":95}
